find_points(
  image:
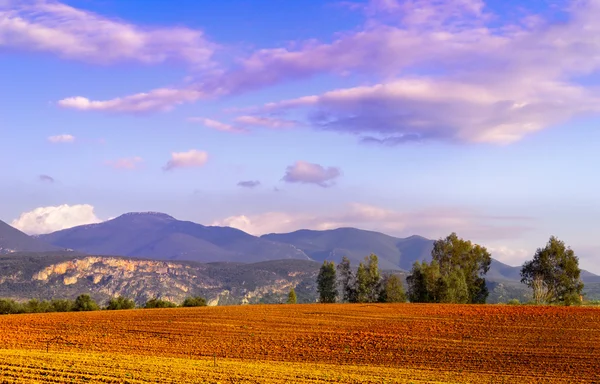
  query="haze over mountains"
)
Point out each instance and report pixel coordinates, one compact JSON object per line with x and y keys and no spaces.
{"x":149,"y":254}
{"x":158,"y":236}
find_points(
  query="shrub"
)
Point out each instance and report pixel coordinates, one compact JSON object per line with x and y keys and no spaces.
{"x":120,"y":302}
{"x":62,"y":305}
{"x":513,"y":302}
{"x":196,"y":301}
{"x":10,"y":307}
{"x":158,"y":303}
{"x":85,"y":303}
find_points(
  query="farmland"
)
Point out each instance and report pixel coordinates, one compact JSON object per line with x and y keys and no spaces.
{"x":306,"y":343}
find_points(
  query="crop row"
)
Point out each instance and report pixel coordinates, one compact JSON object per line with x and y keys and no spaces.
{"x":545,"y":343}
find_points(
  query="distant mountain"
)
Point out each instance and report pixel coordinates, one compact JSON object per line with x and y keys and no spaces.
{"x":393,"y":252}
{"x":13,"y":240}
{"x":161,"y":237}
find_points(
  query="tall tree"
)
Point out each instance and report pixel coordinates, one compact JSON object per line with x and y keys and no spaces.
{"x":425,"y":283}
{"x":392,"y":290}
{"x":454,"y":288}
{"x":326,"y":283}
{"x":554,"y":274}
{"x":292,"y":299}
{"x":368,"y":280}
{"x":472,"y":259}
{"x":347,"y":281}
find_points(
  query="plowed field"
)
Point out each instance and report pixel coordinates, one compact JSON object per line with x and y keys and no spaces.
{"x":306,"y":343}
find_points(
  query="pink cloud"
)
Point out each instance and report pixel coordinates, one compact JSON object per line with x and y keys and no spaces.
{"x":309,"y":173}
{"x":125,"y":163}
{"x":261,"y":121}
{"x":477,"y":82}
{"x":433,"y":223}
{"x":214,"y":124}
{"x":190,"y":159}
{"x":54,"y":27}
{"x":64,"y":138}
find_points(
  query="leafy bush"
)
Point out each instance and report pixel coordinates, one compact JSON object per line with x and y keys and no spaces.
{"x":158,"y":303}
{"x":120,"y":302}
{"x":85,"y":303}
{"x":514,"y":302}
{"x":62,"y":305}
{"x":196,"y":301}
{"x":10,"y":307}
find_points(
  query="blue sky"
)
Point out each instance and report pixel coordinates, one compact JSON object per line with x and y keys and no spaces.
{"x":407,"y":117}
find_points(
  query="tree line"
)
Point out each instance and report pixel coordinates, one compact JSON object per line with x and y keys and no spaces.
{"x":455,"y":274}
{"x":85,"y":302}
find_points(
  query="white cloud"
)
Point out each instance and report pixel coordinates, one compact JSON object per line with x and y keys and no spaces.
{"x":509,"y":255}
{"x":190,"y":159}
{"x":61,"y":139}
{"x":54,"y":27}
{"x":125,"y":163}
{"x":309,"y":173}
{"x":214,"y":124}
{"x":49,"y":219}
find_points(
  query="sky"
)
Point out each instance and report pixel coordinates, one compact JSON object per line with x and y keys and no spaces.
{"x":407,"y":117}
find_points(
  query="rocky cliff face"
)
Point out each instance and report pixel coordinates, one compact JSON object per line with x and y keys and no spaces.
{"x":104,"y":277}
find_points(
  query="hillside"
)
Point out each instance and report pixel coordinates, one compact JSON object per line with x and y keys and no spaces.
{"x":161,"y":237}
{"x":66,"y":275}
{"x":13,"y":240}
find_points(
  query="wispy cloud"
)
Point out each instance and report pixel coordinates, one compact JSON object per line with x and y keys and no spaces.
{"x":264,"y":121}
{"x":309,"y":173}
{"x":46,"y":179}
{"x":214,"y":124}
{"x":125,"y":163}
{"x":54,"y":27}
{"x":476,"y":82}
{"x":163,"y":99}
{"x":190,"y":159}
{"x":249,"y":183}
{"x":61,"y":139}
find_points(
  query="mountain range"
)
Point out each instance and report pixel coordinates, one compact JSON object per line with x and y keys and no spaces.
{"x":142,"y":254}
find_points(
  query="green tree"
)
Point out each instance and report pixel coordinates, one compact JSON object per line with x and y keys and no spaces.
{"x":472,"y":259}
{"x":120,"y":302}
{"x":158,"y":303}
{"x":195,"y":301}
{"x":392,"y":290}
{"x":85,"y":303}
{"x":554,"y":274}
{"x":454,"y":288}
{"x":347,"y":281}
{"x":425,"y":283}
{"x":326,"y":283}
{"x":368,"y":280}
{"x":292,"y":299}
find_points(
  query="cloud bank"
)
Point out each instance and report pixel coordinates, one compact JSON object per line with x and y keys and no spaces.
{"x":50,"y":219}
{"x":439,"y":70}
{"x":53,"y":27}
